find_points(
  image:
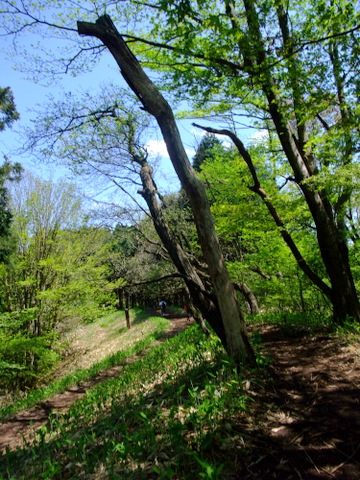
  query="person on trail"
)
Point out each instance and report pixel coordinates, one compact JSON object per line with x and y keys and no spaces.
{"x":162,"y":307}
{"x":186,"y":310}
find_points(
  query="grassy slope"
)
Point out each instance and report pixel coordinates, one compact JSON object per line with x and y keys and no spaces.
{"x":94,"y":347}
{"x":162,"y":418}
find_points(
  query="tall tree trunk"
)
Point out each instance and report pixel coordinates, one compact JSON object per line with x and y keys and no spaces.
{"x":331,"y":238}
{"x":332,"y":244}
{"x":237,"y":342}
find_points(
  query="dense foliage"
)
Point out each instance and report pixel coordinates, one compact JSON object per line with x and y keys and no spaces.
{"x":252,"y":244}
{"x":8,"y":112}
{"x":57,"y":273}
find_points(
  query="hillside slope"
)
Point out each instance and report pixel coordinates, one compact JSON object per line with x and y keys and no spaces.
{"x":180,"y":411}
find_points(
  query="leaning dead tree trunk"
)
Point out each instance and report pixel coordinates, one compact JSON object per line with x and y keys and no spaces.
{"x":199,"y":319}
{"x":237,"y":342}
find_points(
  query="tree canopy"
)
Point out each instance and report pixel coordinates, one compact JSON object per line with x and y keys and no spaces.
{"x":267,"y":65}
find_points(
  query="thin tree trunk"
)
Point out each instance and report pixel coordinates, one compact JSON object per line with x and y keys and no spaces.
{"x":127,"y":316}
{"x":248,"y":295}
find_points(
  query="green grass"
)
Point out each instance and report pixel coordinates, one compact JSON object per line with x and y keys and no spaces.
{"x":155,"y":327}
{"x":350,"y":331}
{"x":308,"y":324}
{"x":179,"y":411}
{"x":167,"y":416}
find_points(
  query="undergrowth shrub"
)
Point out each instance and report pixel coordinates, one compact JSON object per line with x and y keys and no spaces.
{"x":34,"y":396}
{"x":24,"y":356}
{"x":293,"y":321}
{"x":350,"y":329}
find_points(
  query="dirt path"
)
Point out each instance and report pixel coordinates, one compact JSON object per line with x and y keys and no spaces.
{"x":309,"y":410}
{"x":315,"y":432}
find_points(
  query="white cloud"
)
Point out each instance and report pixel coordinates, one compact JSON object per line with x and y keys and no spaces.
{"x":260,"y":135}
{"x":157,"y":147}
{"x":190,"y":152}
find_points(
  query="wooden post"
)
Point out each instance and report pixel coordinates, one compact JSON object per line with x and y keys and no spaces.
{"x":127,"y":316}
{"x":120,"y":292}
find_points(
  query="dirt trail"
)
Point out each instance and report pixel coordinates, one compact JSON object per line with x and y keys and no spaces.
{"x":314,"y":432}
{"x":309,"y":411}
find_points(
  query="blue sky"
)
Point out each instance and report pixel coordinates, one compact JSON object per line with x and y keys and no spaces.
{"x":29,"y":96}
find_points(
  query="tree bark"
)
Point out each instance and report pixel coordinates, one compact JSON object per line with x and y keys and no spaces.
{"x":332,"y":245}
{"x":127,"y":317}
{"x":237,"y":342}
{"x":202,"y":299}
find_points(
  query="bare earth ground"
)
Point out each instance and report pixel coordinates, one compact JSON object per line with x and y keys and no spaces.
{"x":313,"y":431}
{"x":309,"y":410}
{"x":318,"y":381}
